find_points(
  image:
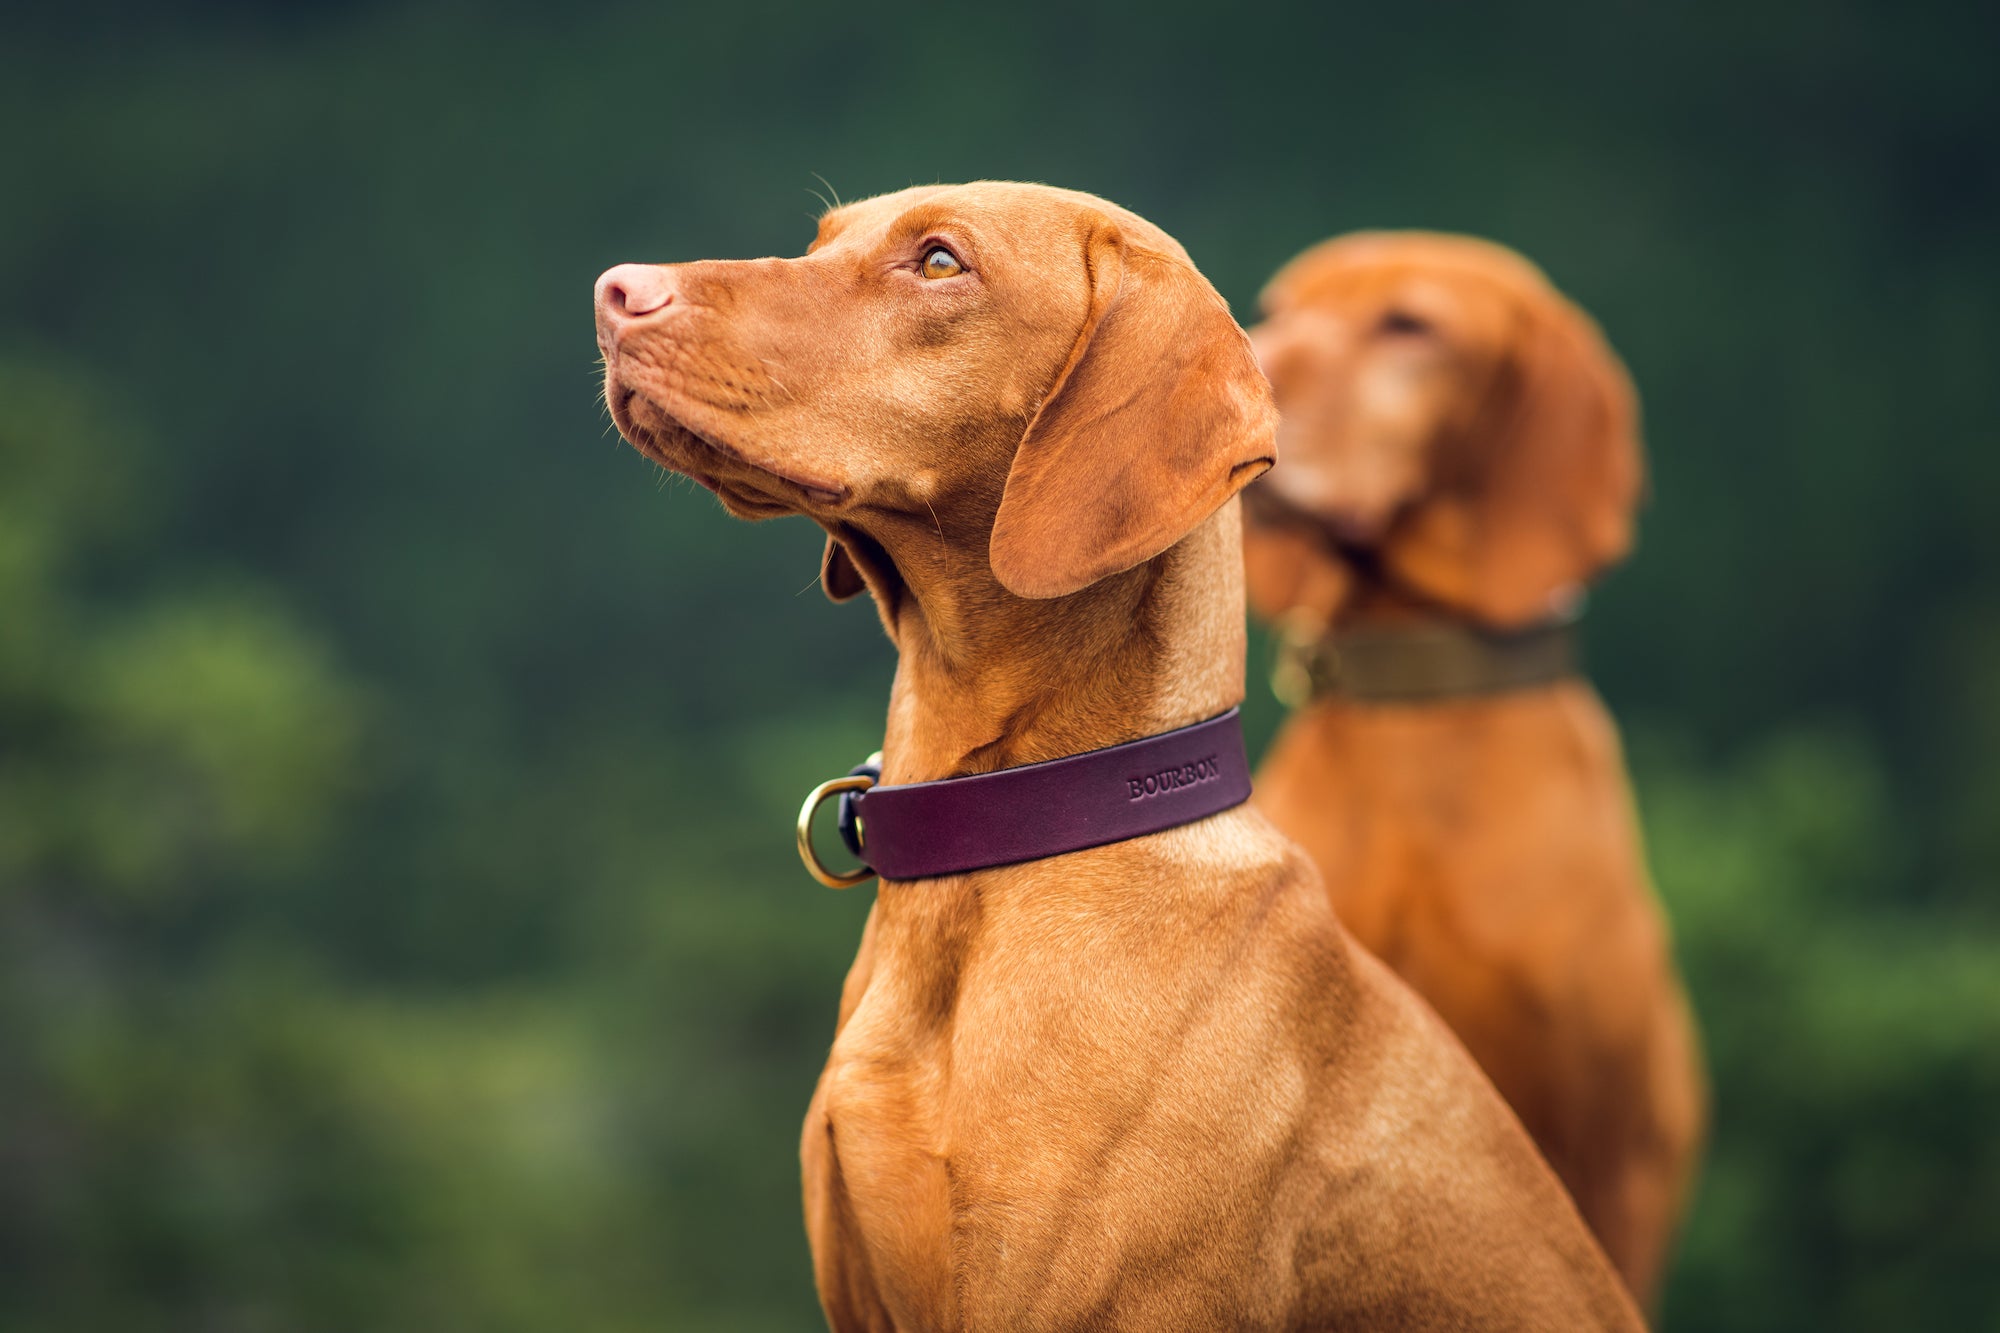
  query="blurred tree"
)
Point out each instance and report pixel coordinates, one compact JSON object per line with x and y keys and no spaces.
{"x":1855,"y":1044}
{"x":202,"y":1124}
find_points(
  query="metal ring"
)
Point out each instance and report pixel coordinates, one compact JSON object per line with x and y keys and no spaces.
{"x":1296,"y":672}
{"x":832,"y":879}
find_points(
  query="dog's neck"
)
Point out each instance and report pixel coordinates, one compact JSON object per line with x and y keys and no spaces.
{"x":1374,"y":600}
{"x":1379,"y":599}
{"x":986,"y":680}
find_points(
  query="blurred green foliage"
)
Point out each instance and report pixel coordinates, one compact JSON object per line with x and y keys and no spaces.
{"x":398,"y":926}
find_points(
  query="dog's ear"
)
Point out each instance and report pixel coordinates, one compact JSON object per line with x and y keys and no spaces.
{"x":1545,"y":496}
{"x":838,"y":577}
{"x":1158,"y":416}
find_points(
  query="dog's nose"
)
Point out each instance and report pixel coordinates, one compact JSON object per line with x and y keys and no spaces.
{"x":630,"y":291}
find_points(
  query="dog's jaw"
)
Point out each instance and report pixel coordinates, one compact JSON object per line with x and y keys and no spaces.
{"x":748,"y":488}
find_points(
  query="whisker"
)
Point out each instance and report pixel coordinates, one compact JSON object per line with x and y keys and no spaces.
{"x":780,"y":384}
{"x":943,"y":545}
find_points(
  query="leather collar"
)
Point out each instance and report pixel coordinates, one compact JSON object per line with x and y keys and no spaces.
{"x":921,"y":830}
{"x":1422,"y":661}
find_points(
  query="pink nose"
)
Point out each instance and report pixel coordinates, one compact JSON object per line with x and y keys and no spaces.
{"x":631,"y":290}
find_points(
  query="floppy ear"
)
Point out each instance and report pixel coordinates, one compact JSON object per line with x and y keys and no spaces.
{"x":1545,"y":495}
{"x":838,"y":577}
{"x":1159,"y":415}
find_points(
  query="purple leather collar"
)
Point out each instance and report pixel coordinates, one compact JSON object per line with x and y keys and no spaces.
{"x":922,"y":829}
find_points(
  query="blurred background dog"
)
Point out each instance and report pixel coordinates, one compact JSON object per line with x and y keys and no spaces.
{"x":400,"y":919}
{"x":1461,"y":462}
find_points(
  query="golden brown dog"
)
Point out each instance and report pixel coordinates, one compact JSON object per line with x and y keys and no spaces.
{"x":1150,"y":1085}
{"x":1460,"y":446}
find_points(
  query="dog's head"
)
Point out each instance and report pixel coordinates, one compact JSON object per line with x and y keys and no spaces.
{"x":1447,"y":409}
{"x":1029,"y":372}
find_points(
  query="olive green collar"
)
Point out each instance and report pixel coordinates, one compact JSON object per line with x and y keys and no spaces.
{"x":1428,"y":659}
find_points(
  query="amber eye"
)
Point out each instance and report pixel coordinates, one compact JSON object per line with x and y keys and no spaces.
{"x":941,"y":263}
{"x":1401,"y":323}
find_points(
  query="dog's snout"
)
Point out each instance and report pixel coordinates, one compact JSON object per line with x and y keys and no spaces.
{"x":630,"y":291}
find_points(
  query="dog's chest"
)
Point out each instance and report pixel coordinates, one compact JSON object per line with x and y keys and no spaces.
{"x":1025,"y":1152}
{"x":882,"y":1107}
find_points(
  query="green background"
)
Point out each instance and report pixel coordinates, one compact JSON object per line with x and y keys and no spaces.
{"x":399,"y":927}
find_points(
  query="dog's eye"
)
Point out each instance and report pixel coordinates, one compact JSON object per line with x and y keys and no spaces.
{"x":1402,"y":324}
{"x":941,"y":263}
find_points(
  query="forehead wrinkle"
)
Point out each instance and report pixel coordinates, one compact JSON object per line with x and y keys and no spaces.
{"x":912,"y":224}
{"x":926,"y":218}
{"x":837,"y":222}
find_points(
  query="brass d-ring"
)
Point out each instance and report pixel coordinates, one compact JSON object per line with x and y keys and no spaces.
{"x":1301,"y":659}
{"x":832,"y":879}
